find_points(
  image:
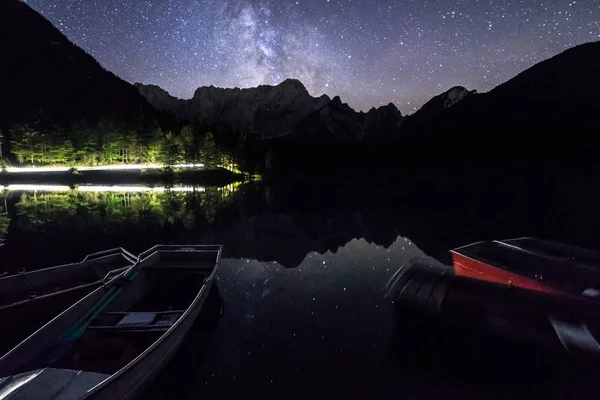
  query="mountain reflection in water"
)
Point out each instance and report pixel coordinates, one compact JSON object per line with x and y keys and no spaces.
{"x":322,"y":327}
{"x":285,"y":220}
{"x":302,"y":282}
{"x":323,"y":330}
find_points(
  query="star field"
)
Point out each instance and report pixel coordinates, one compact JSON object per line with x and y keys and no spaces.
{"x":368,"y":52}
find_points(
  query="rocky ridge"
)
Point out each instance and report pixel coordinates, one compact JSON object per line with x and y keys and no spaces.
{"x":268,"y":112}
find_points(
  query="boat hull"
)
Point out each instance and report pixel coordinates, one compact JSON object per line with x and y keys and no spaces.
{"x":471,"y":268}
{"x":499,"y":303}
{"x":18,"y":321}
{"x":132,"y":383}
{"x":30,"y":299}
{"x":531,"y":264}
{"x":165,"y":286}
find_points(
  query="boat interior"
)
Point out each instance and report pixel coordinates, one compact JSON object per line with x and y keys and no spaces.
{"x":30,"y":285}
{"x":544,"y":261}
{"x":584,"y":258}
{"x":146,"y":307}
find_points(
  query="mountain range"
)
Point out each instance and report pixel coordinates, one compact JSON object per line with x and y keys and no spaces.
{"x":558,"y":91}
{"x":545,"y":115}
{"x":284,"y":110}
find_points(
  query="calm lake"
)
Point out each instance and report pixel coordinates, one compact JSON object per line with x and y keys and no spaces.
{"x":298,"y":309}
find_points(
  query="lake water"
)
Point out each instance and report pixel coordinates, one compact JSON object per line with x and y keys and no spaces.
{"x":300,"y":285}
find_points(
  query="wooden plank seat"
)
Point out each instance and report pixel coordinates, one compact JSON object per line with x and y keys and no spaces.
{"x":135,"y":321}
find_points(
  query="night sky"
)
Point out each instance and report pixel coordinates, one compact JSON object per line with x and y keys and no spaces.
{"x":367,"y":51}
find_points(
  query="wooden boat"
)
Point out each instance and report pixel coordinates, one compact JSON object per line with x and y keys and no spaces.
{"x":527,"y":289}
{"x":30,"y":299}
{"x":114,"y":341}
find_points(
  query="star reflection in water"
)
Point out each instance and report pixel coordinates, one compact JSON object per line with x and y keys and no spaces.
{"x":321,"y":328}
{"x":324,"y":330}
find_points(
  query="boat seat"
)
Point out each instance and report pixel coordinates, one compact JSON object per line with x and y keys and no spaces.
{"x":140,"y":321}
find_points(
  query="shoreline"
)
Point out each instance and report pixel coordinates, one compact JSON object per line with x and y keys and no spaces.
{"x":123,"y":177}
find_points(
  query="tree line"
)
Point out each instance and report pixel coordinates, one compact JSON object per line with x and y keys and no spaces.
{"x":112,"y":142}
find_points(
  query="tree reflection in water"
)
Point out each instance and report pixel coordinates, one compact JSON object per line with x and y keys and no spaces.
{"x":191,"y":207}
{"x":4,"y":217}
{"x":102,"y":217}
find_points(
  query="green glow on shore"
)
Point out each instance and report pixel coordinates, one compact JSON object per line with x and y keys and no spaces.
{"x":117,"y":167}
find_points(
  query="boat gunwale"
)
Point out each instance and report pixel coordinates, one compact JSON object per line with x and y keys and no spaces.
{"x":556,"y":244}
{"x":114,"y":250}
{"x":553,"y":290}
{"x":46,"y":296}
{"x":117,"y":251}
{"x":504,"y":243}
{"x":481,"y":260}
{"x":205,"y":286}
{"x":49,"y":295}
{"x":530,"y":252}
{"x":565,"y":259}
{"x":58,"y":316}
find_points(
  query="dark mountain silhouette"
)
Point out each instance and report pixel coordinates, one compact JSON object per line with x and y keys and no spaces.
{"x":338,"y":121}
{"x":435,"y":107}
{"x":161,"y":100}
{"x":543,"y":120}
{"x":285,"y":110}
{"x":262,"y":112}
{"x":46,"y":79}
{"x":546,"y":118}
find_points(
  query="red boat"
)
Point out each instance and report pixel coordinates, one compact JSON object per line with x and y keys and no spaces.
{"x":527,"y":289}
{"x":531,"y":264}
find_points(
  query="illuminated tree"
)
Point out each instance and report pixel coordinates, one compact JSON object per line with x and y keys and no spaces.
{"x":170,"y":150}
{"x":25,"y":142}
{"x":154,"y":148}
{"x":63,"y":153}
{"x":4,"y":223}
{"x":190,"y":140}
{"x":210,"y":153}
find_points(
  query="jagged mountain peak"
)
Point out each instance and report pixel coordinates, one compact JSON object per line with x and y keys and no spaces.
{"x":149,"y":86}
{"x":294,"y":83}
{"x":447,"y":99}
{"x":286,"y":109}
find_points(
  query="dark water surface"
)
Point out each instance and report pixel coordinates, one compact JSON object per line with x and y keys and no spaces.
{"x":301,"y":282}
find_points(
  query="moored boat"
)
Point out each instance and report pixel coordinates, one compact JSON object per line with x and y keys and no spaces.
{"x":527,"y":289}
{"x":114,"y":341}
{"x":30,"y":299}
{"x":531,"y":264}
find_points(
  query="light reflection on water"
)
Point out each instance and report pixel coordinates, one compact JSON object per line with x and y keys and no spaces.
{"x":324,"y":330}
{"x":99,"y":188}
{"x":320,"y":330}
{"x":65,"y":223}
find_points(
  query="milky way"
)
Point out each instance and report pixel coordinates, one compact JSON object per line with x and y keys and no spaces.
{"x":369,"y":52}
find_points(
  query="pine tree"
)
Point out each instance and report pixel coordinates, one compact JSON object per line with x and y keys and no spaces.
{"x":191,"y":144}
{"x":170,"y":150}
{"x":210,"y":153}
{"x":25,"y":142}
